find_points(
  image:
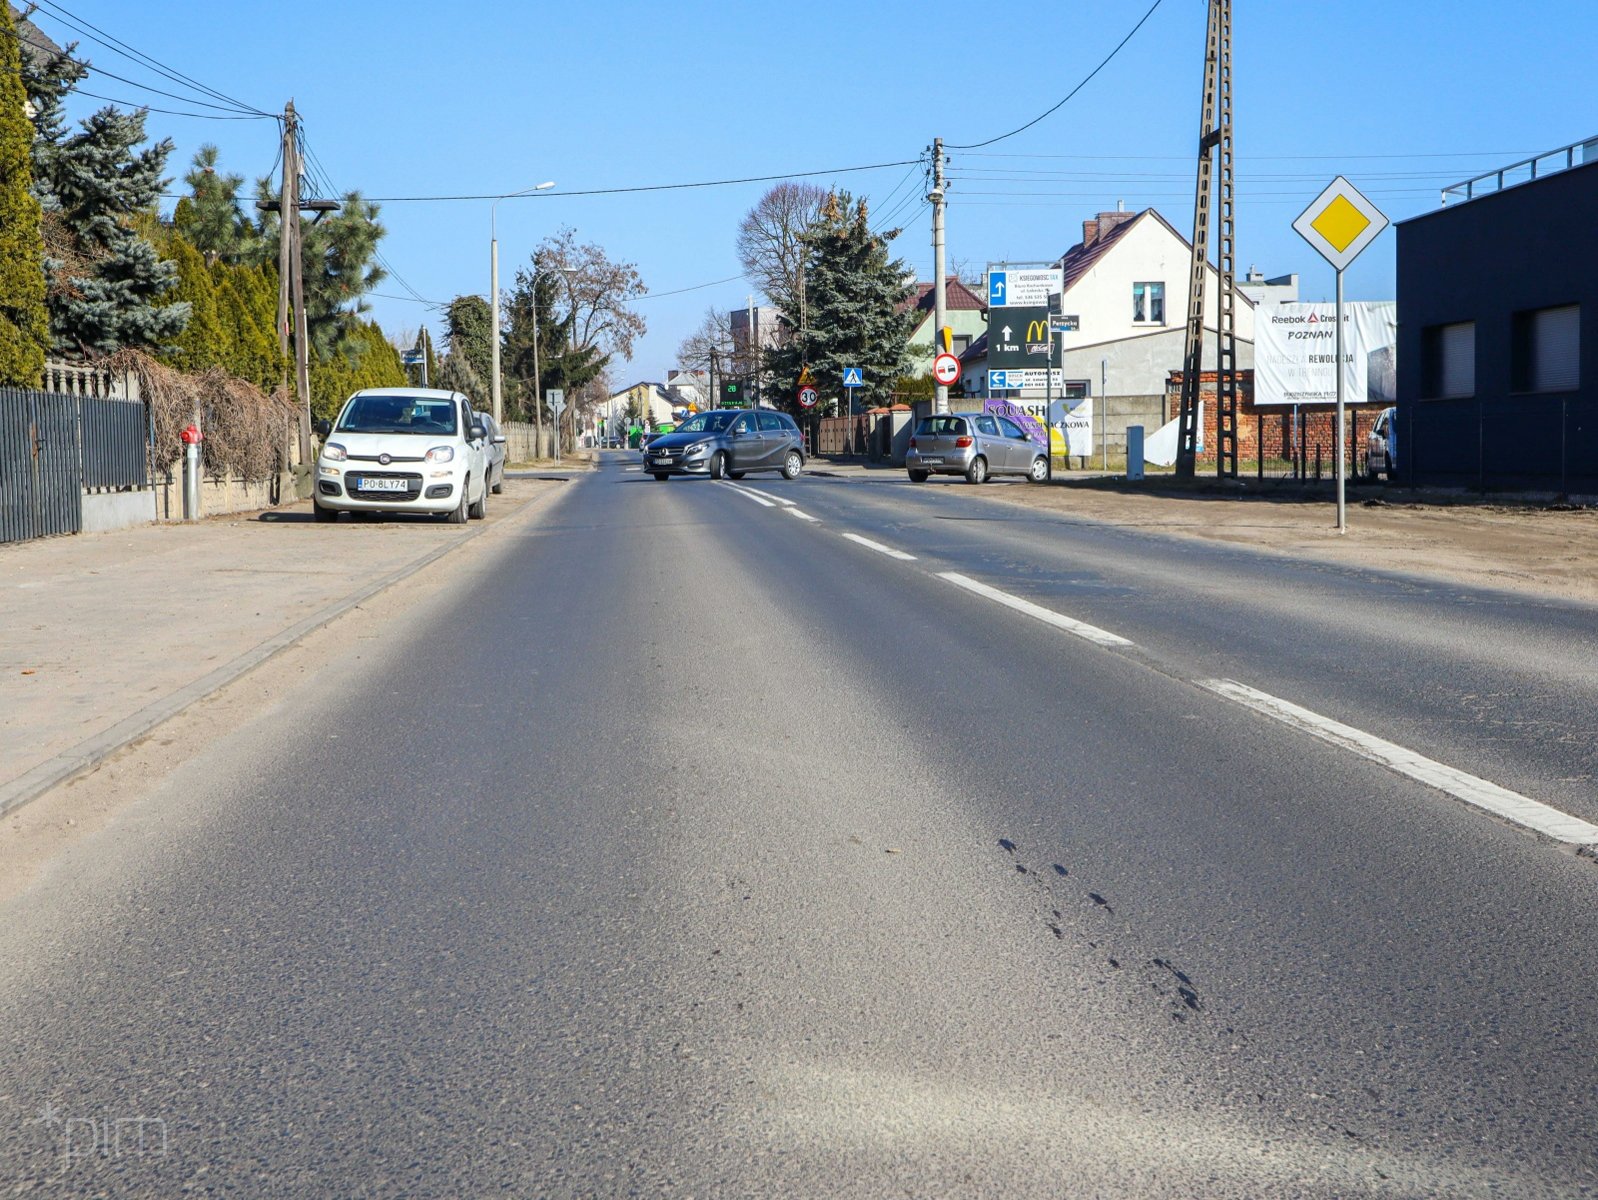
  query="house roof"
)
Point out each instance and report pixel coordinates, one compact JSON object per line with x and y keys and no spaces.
{"x":957,"y":297}
{"x":36,"y":44}
{"x":977,"y":351}
{"x":1080,"y":259}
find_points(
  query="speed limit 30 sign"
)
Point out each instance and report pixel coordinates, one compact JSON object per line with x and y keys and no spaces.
{"x":807,"y":397}
{"x":946,"y":369}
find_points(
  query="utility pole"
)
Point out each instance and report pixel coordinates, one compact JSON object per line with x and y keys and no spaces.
{"x":290,"y":288}
{"x":1215,"y":132}
{"x":940,"y":296}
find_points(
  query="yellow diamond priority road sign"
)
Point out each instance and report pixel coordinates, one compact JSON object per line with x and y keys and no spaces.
{"x":1340,"y":223}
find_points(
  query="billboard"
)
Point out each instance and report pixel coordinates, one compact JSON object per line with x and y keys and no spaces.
{"x":1295,"y":353}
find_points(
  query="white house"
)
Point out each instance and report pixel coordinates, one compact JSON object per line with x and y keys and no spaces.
{"x":1125,"y":306}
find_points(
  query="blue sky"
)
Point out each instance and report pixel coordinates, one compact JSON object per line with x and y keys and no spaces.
{"x":402,"y":99}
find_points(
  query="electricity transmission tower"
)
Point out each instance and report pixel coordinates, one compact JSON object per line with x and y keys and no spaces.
{"x":1212,"y":193}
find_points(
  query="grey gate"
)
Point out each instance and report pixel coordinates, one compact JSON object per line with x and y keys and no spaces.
{"x":41,"y":472}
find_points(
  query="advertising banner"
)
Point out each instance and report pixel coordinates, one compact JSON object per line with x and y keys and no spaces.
{"x":1063,"y":428}
{"x":1295,"y":353}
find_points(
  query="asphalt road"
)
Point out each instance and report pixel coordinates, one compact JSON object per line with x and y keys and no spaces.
{"x":687,"y":847}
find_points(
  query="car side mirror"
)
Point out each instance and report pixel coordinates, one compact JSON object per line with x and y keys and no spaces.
{"x":478,"y":433}
{"x":323,"y":427}
{"x":499,"y":439}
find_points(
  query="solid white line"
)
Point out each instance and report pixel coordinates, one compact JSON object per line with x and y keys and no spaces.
{"x":1512,"y":806}
{"x":803,"y":516}
{"x":880,"y":548}
{"x":1081,"y":629}
{"x":755,"y":496}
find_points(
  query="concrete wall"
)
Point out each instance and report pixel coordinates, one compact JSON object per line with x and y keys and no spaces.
{"x":521,"y":442}
{"x":106,"y":511}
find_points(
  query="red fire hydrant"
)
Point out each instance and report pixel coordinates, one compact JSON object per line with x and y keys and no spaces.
{"x":192,"y":437}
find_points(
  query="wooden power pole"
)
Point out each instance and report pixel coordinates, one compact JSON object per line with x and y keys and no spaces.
{"x":1215,"y":134}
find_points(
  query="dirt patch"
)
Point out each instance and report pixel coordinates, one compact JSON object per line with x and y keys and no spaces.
{"x":1543,"y":551}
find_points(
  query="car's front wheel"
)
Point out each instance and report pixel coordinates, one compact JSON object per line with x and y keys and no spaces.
{"x":718,"y":465}
{"x":977,"y":472}
{"x":479,"y":508}
{"x":499,"y":483}
{"x":458,"y":515}
{"x":792,"y":465}
{"x":920,"y":476}
{"x":1040,"y":469}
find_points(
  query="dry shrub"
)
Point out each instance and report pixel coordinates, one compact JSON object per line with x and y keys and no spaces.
{"x":246,"y":430}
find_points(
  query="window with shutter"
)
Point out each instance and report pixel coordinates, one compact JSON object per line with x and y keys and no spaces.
{"x":1449,"y":361}
{"x":1555,"y":350}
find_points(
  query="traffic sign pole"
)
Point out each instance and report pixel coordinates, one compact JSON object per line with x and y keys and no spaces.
{"x":1342,"y":449}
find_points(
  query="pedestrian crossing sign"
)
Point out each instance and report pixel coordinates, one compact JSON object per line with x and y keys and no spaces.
{"x":852,"y":377}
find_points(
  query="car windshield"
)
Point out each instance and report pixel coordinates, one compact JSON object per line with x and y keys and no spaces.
{"x":709,"y":422}
{"x":398,"y":414}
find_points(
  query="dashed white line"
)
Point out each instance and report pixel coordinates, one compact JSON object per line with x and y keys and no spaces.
{"x":1500,"y":801}
{"x":803,"y":516}
{"x":880,"y":548}
{"x":755,"y":496}
{"x":1048,"y":616}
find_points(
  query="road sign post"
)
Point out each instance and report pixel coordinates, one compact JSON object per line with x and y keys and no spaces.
{"x":557,"y":405}
{"x":1339,"y":224}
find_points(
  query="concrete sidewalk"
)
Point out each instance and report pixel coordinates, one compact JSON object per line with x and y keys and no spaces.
{"x":106,"y":635}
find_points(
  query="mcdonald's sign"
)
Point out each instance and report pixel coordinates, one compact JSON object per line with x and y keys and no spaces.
{"x":1018,"y":339}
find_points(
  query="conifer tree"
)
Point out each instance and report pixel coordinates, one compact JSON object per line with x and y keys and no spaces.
{"x":854,"y":317}
{"x":205,"y":340}
{"x":209,"y":215}
{"x":24,"y":322}
{"x":468,"y":326}
{"x":105,"y":282}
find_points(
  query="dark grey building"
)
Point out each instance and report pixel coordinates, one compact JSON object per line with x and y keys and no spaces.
{"x":1498,"y":331}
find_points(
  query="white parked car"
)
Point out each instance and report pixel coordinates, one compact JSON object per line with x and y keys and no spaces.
{"x":1381,"y":445}
{"x":494,"y":451}
{"x":413,"y":450}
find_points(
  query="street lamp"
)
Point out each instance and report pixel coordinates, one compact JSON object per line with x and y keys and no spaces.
{"x":493,"y":288}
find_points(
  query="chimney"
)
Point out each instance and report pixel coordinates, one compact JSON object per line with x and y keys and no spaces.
{"x":1109,"y":221}
{"x":1090,"y":233}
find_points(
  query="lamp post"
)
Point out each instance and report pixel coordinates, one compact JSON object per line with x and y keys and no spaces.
{"x":493,"y":288}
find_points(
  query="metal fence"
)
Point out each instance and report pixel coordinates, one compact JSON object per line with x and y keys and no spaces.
{"x":53,"y":446}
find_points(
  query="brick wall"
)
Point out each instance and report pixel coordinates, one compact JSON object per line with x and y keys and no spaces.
{"x":1272,"y":427}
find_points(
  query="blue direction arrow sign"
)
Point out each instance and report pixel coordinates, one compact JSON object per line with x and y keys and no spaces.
{"x":997,"y":286}
{"x":853,"y":377}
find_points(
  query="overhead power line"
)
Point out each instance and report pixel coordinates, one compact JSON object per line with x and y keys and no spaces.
{"x":99,"y":36}
{"x":171,"y":112}
{"x":652,"y":187}
{"x":1085,"y":81}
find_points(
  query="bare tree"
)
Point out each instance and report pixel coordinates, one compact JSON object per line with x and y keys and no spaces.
{"x":713,"y":339}
{"x":598,"y":293}
{"x":771,"y":245}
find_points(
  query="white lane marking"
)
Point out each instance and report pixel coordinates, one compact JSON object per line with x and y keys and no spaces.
{"x":1512,"y":806}
{"x":1081,"y":629}
{"x":880,"y":548}
{"x":803,"y":516}
{"x":755,"y":496}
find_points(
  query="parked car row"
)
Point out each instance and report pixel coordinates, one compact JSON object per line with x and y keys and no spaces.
{"x":415,"y":450}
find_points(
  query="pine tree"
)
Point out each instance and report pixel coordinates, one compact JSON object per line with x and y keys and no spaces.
{"x":247,"y":307}
{"x":24,"y":321}
{"x":209,"y":215}
{"x":855,"y":316}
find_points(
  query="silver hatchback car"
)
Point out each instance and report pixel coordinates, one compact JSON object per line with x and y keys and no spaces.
{"x":976,"y":445}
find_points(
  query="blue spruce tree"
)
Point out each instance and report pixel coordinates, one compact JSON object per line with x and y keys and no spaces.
{"x":104,"y":278}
